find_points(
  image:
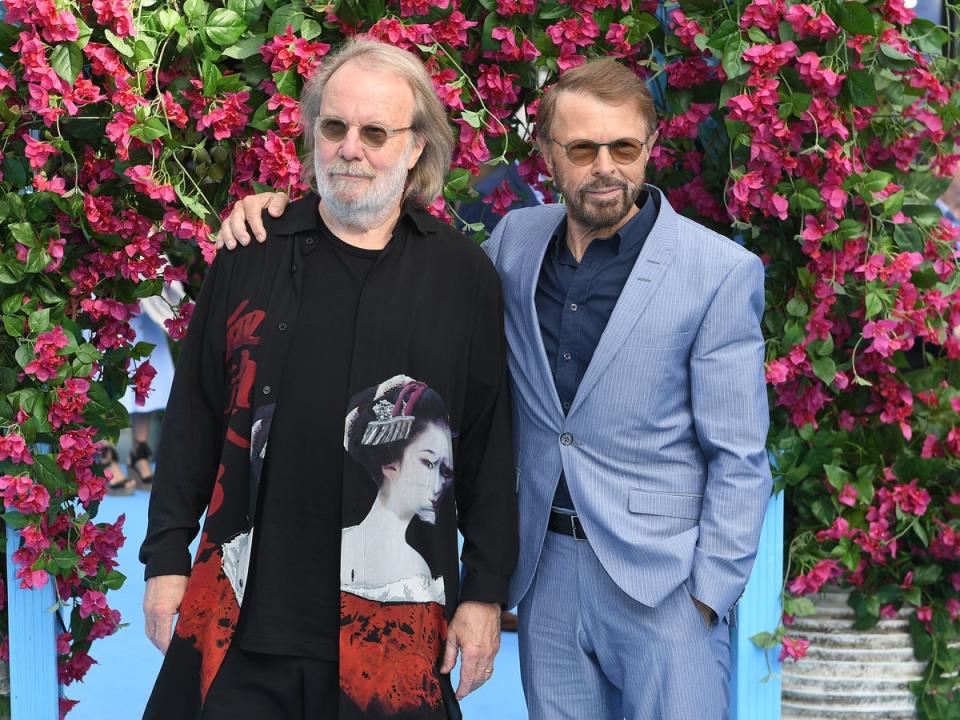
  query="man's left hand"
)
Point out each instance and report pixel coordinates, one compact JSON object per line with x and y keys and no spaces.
{"x":475,"y":633}
{"x":708,"y":614}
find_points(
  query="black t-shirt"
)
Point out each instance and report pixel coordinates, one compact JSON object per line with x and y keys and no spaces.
{"x":292,"y":603}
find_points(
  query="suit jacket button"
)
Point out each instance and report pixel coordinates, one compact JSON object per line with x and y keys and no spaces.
{"x":566,"y":439}
{"x":266,"y":389}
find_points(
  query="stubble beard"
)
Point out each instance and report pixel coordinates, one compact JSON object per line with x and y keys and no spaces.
{"x":371,"y":206}
{"x":596,"y":214}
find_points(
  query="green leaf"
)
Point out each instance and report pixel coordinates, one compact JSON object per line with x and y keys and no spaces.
{"x":14,"y":519}
{"x":245,"y":48}
{"x":287,"y":82}
{"x":860,"y":89}
{"x":857,"y":19}
{"x":224,"y":27}
{"x":87,"y":353}
{"x":210,"y":76}
{"x":874,"y":305}
{"x":167,"y":18}
{"x":66,"y":60}
{"x":39,"y":320}
{"x":800,"y":606}
{"x":119,"y":44}
{"x":837,"y":476}
{"x":13,"y":325}
{"x":473,"y":119}
{"x":732,"y":60}
{"x":23,"y":233}
{"x":46,"y":471}
{"x":284,"y":15}
{"x":310,"y":29}
{"x":196,"y":10}
{"x":150,"y":130}
{"x":763,"y":640}
{"x":825,"y":369}
{"x":720,"y":36}
{"x":248,"y":10}
{"x":114,"y":580}
{"x":148,"y":288}
{"x":23,"y":355}
{"x":797,"y":307}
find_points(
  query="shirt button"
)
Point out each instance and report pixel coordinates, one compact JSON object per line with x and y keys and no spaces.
{"x":266,"y":389}
{"x":282,"y":326}
{"x":311,"y":240}
{"x":294,"y":268}
{"x":566,"y":439}
{"x":567,"y":356}
{"x":573,"y":307}
{"x":566,"y":406}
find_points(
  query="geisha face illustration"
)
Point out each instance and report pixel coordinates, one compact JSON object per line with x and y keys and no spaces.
{"x":415,"y":484}
{"x":399,"y":431}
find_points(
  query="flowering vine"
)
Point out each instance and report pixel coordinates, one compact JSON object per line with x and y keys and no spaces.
{"x":821,"y":131}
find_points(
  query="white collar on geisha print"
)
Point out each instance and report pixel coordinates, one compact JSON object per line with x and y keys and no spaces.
{"x":417,"y":588}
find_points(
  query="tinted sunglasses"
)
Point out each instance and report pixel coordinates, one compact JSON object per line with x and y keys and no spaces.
{"x":583,"y":152}
{"x":372,"y":136}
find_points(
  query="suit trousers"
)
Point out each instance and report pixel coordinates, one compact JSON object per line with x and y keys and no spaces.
{"x":588,"y":651}
{"x":257,"y":686}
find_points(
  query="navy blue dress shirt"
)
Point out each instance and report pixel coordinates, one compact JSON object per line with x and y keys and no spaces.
{"x":574,"y":302}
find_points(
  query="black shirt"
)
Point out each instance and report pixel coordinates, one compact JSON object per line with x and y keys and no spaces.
{"x":574,"y":302}
{"x":287,"y":611}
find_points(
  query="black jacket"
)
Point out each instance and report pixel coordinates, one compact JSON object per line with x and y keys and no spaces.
{"x":431,"y":309}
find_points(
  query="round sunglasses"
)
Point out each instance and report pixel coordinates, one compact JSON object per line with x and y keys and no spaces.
{"x":583,"y":152}
{"x":372,"y":136}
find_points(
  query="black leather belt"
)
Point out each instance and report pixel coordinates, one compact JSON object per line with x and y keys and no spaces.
{"x":566,"y":525}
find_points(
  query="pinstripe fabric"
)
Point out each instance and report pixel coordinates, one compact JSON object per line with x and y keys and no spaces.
{"x":666,"y":464}
{"x":589,"y":650}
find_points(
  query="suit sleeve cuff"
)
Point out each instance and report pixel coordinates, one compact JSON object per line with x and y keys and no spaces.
{"x":485,"y":588}
{"x":713,"y":587}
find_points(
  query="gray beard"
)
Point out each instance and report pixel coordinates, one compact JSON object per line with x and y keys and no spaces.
{"x":373,"y":207}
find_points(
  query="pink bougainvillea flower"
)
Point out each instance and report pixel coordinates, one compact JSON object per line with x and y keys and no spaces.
{"x":14,"y":447}
{"x":142,"y":379}
{"x":46,"y":359}
{"x":38,"y":152}
{"x":794,"y":648}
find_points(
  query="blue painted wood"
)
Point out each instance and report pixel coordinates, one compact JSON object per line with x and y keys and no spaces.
{"x":33,"y":651}
{"x":755,"y":685}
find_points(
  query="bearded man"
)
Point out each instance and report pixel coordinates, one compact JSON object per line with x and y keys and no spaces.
{"x":339,"y":410}
{"x":640,"y":419}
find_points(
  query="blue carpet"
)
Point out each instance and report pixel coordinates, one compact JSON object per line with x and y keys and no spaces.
{"x":117,"y":687}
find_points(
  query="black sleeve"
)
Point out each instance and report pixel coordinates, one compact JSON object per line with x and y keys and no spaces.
{"x":191,"y":442}
{"x":486,"y":481}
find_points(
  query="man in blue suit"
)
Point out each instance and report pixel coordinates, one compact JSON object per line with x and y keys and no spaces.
{"x":640,"y":419}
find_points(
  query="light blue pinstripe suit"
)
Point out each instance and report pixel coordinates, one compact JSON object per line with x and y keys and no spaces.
{"x":663,"y":449}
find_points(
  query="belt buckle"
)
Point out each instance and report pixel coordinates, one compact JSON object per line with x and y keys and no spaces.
{"x":577,"y":535}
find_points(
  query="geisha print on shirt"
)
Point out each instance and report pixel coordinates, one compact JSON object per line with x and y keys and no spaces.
{"x":391,"y":605}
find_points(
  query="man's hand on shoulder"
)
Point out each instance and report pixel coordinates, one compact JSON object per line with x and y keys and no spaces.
{"x":475,"y":632}
{"x":249,"y":211}
{"x":161,"y":601}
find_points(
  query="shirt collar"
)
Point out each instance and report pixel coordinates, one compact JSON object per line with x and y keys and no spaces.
{"x":301,"y":216}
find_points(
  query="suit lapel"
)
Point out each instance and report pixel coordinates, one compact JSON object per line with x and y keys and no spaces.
{"x":530,"y":274}
{"x":655,"y":258}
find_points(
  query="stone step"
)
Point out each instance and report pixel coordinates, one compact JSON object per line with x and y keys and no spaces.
{"x":845,"y":686}
{"x":858,"y":668}
{"x":819,"y":653}
{"x":857,"y":640}
{"x":826,"y":622}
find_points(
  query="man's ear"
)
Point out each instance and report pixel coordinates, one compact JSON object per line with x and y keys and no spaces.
{"x":544,"y":146}
{"x":419,"y":143}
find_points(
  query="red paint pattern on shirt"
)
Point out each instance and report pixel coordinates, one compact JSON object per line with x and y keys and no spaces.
{"x":208,"y":612}
{"x":389,"y":654}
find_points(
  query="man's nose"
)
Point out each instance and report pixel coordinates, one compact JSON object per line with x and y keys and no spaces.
{"x":603,"y":164}
{"x":350,"y":147}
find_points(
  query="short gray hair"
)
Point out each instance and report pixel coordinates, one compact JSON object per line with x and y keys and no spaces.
{"x":425,"y":180}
